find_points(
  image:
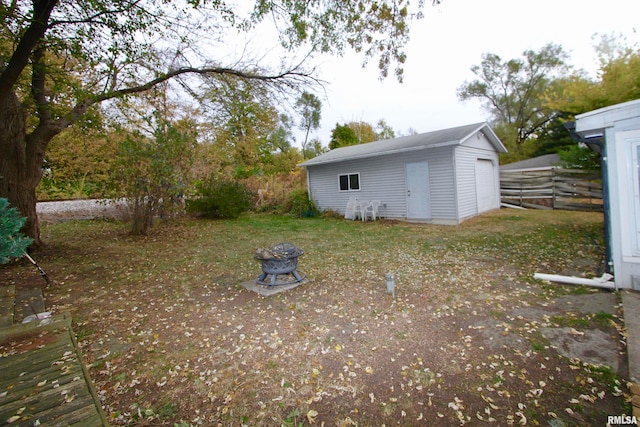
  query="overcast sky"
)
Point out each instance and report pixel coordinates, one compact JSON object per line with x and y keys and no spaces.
{"x":447,"y":42}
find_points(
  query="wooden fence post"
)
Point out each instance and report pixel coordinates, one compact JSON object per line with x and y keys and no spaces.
{"x":553,"y":188}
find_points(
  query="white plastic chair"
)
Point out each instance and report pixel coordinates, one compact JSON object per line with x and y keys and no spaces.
{"x":360,"y":209}
{"x":372,"y":209}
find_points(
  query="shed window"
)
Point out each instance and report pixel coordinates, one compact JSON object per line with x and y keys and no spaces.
{"x":349,"y":182}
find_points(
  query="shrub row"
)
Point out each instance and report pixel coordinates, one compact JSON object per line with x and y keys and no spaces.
{"x":220,"y":198}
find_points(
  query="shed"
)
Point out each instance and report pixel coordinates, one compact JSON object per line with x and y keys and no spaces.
{"x":615,"y":132}
{"x":443,"y":177}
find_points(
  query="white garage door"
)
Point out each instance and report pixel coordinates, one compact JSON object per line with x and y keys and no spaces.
{"x":486,"y":190}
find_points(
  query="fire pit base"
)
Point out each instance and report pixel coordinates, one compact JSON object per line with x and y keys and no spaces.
{"x":267,"y":291}
{"x":267,"y":279}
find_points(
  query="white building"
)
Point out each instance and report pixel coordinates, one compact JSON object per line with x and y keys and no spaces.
{"x":615,"y":131}
{"x":444,"y":177}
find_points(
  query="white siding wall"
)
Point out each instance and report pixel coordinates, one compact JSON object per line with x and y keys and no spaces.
{"x":466,"y":156}
{"x":383,"y":178}
{"x":611,"y":120}
{"x":443,"y":190}
{"x":623,"y":226}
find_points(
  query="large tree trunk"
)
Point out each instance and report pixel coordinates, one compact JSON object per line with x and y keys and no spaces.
{"x":20,"y":164}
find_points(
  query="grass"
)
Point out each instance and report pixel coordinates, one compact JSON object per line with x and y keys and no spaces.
{"x":571,"y":320}
{"x":165,"y":318}
{"x":603,"y":318}
{"x":537,"y":346}
{"x":191,"y":243}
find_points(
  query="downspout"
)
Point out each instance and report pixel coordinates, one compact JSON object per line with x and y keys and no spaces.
{"x":606,"y":205}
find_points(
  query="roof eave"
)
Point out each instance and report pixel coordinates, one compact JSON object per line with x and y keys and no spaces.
{"x":377,"y":154}
{"x":493,"y":138}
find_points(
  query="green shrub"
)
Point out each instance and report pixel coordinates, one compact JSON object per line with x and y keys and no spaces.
{"x":49,"y":189}
{"x":300,"y":205}
{"x":578,"y":157}
{"x":12,"y":242}
{"x":220,"y":199}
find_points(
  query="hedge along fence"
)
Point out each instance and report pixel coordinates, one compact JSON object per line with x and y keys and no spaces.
{"x":554,"y":188}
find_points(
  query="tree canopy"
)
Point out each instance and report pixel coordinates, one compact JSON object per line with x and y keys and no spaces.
{"x":531,"y":99}
{"x":359,"y":132}
{"x":618,"y":80}
{"x":57,"y":59}
{"x":363,"y":131}
{"x":512,"y":92}
{"x":384,"y":131}
{"x":342,"y":136}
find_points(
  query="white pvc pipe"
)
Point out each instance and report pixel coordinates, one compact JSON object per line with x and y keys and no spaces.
{"x":508,"y":205}
{"x":600,"y":282}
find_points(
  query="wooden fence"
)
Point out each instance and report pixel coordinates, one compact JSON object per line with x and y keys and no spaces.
{"x":552,"y":189}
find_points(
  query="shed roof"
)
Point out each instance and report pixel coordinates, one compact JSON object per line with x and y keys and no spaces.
{"x":438,"y":138}
{"x":546,"y":161}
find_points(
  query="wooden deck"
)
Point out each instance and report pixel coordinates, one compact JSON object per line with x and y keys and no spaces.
{"x":42,"y":378}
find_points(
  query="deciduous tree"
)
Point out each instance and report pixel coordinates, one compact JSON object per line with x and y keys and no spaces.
{"x":513,"y":93}
{"x":78,"y":160}
{"x":154,"y":161}
{"x":617,"y":80}
{"x":57,"y":59}
{"x":246,"y":120}
{"x":342,"y":136}
{"x":282,"y":137}
{"x":309,"y":108}
{"x":314,"y":148}
{"x":384,"y":131}
{"x":363,"y":131}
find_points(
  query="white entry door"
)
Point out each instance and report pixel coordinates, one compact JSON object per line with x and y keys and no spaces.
{"x":485,"y":185}
{"x":418,"y":197}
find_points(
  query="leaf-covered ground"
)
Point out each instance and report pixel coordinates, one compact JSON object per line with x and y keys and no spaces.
{"x":172,"y":338}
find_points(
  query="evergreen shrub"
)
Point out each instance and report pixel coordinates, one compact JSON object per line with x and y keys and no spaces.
{"x":12,"y":242}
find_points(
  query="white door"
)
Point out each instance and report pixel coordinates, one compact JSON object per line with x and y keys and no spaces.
{"x":485,"y":185}
{"x":418,"y":198}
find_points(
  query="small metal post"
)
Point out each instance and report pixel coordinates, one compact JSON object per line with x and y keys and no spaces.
{"x":391,"y":284}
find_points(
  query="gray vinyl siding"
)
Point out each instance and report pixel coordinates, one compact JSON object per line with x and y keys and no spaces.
{"x":379,"y":180}
{"x":383,"y":178}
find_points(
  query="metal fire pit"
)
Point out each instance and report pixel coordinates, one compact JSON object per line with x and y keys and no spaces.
{"x":279,"y":260}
